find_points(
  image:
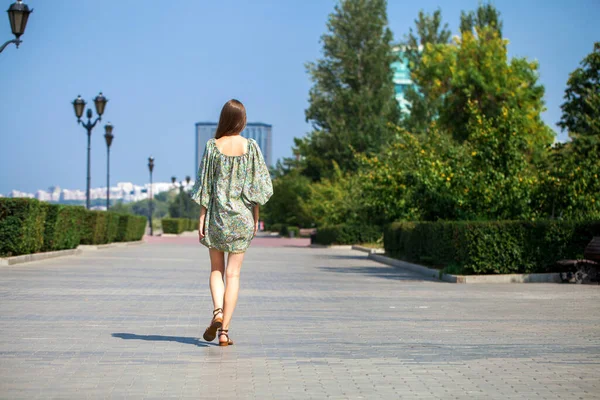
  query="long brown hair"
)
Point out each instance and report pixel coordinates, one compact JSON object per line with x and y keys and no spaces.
{"x":232,"y":120}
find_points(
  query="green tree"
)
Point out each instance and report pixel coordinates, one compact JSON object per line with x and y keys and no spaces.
{"x":284,"y":206}
{"x":581,"y":109}
{"x":486,"y":16}
{"x":182,"y":206}
{"x":571,"y":187}
{"x":475,"y":79}
{"x":334,"y":200}
{"x":423,"y":108}
{"x":352,"y":99}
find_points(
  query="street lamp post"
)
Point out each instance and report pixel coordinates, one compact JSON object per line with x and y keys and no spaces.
{"x":181,"y":199}
{"x":187,"y":181}
{"x":109,"y":138}
{"x":18,"y":14}
{"x":150,"y":168}
{"x":79,"y":105}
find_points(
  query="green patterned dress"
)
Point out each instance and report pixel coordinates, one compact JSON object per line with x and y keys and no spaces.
{"x":229,"y":187}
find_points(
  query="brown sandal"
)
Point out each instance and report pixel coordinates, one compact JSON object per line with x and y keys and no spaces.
{"x":211,"y":332}
{"x":229,"y":342}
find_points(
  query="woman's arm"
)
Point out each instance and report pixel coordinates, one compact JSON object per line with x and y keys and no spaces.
{"x":255,"y":212}
{"x":201,"y":223}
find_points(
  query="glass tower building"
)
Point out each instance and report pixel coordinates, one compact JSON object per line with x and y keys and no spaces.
{"x":258,"y":131}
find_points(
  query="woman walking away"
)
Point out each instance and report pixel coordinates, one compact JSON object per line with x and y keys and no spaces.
{"x":232,"y":182}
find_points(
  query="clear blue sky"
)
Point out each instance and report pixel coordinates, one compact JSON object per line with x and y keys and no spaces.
{"x":166,"y":65}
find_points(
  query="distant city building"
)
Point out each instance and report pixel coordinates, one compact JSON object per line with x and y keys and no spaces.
{"x":401,"y":79}
{"x":262,"y":133}
{"x":123,"y":191}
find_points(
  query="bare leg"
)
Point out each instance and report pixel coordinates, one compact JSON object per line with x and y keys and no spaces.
{"x":217,"y":270}
{"x":234,"y":264}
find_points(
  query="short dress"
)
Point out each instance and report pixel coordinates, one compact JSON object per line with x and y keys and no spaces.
{"x":229,"y":187}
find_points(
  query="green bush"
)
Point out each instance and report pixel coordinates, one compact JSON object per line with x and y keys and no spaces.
{"x":131,"y":227}
{"x":294,"y":229}
{"x":94,"y":227}
{"x":283,"y":231}
{"x":62,"y":226}
{"x":347,"y":234}
{"x":496,"y":247}
{"x":29,"y":226}
{"x":174,"y":225}
{"x":112,"y":226}
{"x":195,"y":224}
{"x":139,"y":228}
{"x":275,"y":227}
{"x":21,"y":226}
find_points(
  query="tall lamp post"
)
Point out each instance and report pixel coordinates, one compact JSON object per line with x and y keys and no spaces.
{"x":150,"y":168}
{"x":18,"y":14}
{"x":187,"y":181}
{"x":79,"y":105}
{"x":109,"y":138}
{"x":181,"y":199}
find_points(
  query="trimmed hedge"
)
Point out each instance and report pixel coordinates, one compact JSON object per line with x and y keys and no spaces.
{"x":131,"y":227}
{"x":174,"y":225}
{"x":62,"y":226}
{"x":21,"y":226}
{"x":112,"y":227}
{"x":179,"y":225}
{"x":348,"y":234}
{"x":285,"y":230}
{"x":496,"y":247}
{"x":94,"y":228}
{"x":275,"y":227}
{"x":29,"y":226}
{"x":103,"y":227}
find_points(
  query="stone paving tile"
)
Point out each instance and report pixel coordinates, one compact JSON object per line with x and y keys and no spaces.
{"x":310,"y":324}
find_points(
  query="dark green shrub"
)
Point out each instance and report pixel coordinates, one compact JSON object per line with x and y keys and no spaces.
{"x":195,"y":224}
{"x":94,"y":227}
{"x":275,"y":227}
{"x":139,"y":228}
{"x":347,"y":234}
{"x":112,"y":226}
{"x":495,"y":247}
{"x":131,"y":227}
{"x":174,"y":225}
{"x":21,"y":226}
{"x":62,"y":226}
{"x":50,"y":224}
{"x":294,"y":229}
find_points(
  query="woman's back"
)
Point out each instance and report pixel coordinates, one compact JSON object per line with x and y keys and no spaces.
{"x":232,"y":145}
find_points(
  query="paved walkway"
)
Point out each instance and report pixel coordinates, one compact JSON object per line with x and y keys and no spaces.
{"x":311,"y":323}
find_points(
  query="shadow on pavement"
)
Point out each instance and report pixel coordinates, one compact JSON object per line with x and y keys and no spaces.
{"x":381,"y":272}
{"x":347,"y":257}
{"x":180,"y":339}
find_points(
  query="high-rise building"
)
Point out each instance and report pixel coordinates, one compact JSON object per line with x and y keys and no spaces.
{"x":258,"y":131}
{"x":401,"y":79}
